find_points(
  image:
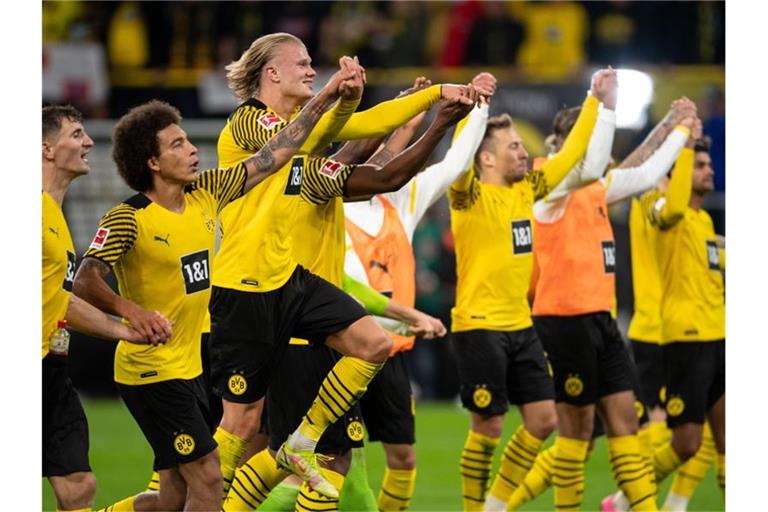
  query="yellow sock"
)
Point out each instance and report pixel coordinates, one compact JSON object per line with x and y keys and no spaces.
{"x":665,"y":461}
{"x":721,"y":472}
{"x":568,"y":475}
{"x":154,"y":482}
{"x":341,"y":389}
{"x":310,"y":501}
{"x":646,"y":450}
{"x":692,"y":472}
{"x":516,"y":461}
{"x":396,"y":489}
{"x":632,"y":472}
{"x":475,"y":467}
{"x":538,"y":480}
{"x":660,"y":433}
{"x":231,"y":448}
{"x":252,"y":482}
{"x":125,"y":505}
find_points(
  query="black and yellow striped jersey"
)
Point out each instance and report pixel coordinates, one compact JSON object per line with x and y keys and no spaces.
{"x":58,"y":267}
{"x":162,"y":261}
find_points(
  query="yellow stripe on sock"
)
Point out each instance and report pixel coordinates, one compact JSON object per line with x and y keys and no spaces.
{"x":154,"y":482}
{"x":230,"y":448}
{"x":690,"y":474}
{"x":396,"y":489}
{"x":517,"y":460}
{"x":252,"y":482}
{"x":310,"y":501}
{"x":665,"y":461}
{"x":632,"y":472}
{"x":475,"y":468}
{"x":568,"y":474}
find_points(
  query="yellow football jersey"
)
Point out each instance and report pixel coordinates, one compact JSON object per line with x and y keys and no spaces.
{"x":162,"y":262}
{"x":646,"y":282}
{"x":58,"y":267}
{"x":693,"y":300}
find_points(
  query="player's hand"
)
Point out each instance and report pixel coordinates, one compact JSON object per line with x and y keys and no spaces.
{"x":425,"y":326}
{"x":454,"y":109}
{"x":680,"y":109}
{"x":420,"y":83}
{"x":451,"y":91}
{"x":605,"y":86}
{"x":696,"y":133}
{"x":331,"y":90}
{"x":151,"y":325}
{"x":351,"y":88}
{"x":485,"y":83}
{"x":131,"y":335}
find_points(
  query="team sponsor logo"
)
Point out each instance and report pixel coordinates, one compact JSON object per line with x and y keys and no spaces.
{"x":482,"y":397}
{"x":195,"y":271}
{"x":295,"y":177}
{"x":609,"y":256}
{"x":237,"y":385}
{"x":269,"y":121}
{"x":184,"y":444}
{"x":522,"y":236}
{"x":573,"y":385}
{"x":675,"y":406}
{"x":100,"y":239}
{"x":639,"y":408}
{"x":331,"y":169}
{"x":69,"y":277}
{"x":355,"y":430}
{"x":713,"y":255}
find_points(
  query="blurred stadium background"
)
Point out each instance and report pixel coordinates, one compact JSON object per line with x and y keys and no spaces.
{"x":105,"y":57}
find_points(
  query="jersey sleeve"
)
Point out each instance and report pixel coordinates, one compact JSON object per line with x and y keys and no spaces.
{"x":115,"y":235}
{"x":328,"y":126}
{"x":465,"y":191}
{"x":324,"y":179}
{"x":574,"y":148}
{"x":252,"y":127}
{"x":666,"y":210}
{"x":225,"y":185}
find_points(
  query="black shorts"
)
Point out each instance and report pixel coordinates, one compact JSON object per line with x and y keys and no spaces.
{"x":215,"y":407}
{"x":695,"y":379}
{"x":650,"y":372}
{"x":294,"y":387}
{"x":174,"y":417}
{"x":388,"y":406}
{"x":65,"y":428}
{"x":588,"y":356}
{"x":250,"y":331}
{"x":497,"y":368}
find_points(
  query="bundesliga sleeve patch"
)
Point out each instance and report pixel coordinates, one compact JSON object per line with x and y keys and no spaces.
{"x":100,"y":239}
{"x":269,"y":121}
{"x":331,"y":169}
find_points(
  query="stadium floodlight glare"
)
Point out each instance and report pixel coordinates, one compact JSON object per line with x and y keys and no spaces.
{"x":635,"y":94}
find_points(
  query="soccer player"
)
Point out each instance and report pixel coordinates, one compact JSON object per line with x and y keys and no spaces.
{"x":159,"y":243}
{"x":273,"y":78}
{"x":692,"y":309}
{"x":379,"y":234}
{"x":574,"y":294}
{"x":65,"y":146}
{"x":499,"y":356}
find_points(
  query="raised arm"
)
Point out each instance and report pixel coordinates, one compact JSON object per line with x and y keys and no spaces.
{"x":90,"y":285}
{"x":87,"y":319}
{"x":371,"y":179}
{"x":680,"y":109}
{"x":627,"y":182}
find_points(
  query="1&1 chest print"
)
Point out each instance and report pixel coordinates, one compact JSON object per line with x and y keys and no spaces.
{"x":522,"y":236}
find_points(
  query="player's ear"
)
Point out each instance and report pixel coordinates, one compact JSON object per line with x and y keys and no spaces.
{"x":154,"y":164}
{"x":487,"y":159}
{"x":272,"y":74}
{"x":47,"y":150}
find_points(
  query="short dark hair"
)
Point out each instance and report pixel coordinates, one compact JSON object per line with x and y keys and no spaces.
{"x":495,"y":123}
{"x":134,"y":141}
{"x":702,"y":144}
{"x":564,"y":121}
{"x":53,"y":115}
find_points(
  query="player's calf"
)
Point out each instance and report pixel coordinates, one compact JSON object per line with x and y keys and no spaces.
{"x":74,"y":491}
{"x":203,"y":478}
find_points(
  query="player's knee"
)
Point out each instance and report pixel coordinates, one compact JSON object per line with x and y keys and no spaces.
{"x":376,"y":347}
{"x":207,"y":475}
{"x":241,"y":420}
{"x":542,"y":425}
{"x":686,"y":446}
{"x":403,"y":457}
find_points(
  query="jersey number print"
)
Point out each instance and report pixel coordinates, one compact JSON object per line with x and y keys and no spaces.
{"x":522,"y":239}
{"x":194,"y":269}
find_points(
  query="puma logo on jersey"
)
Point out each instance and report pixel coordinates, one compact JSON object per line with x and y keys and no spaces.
{"x":54,"y":231}
{"x":164,"y":240}
{"x":269,"y":121}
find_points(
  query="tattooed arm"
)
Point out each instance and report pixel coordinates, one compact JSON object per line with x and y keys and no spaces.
{"x":285,"y":143}
{"x":681,"y":108}
{"x":91,"y":287}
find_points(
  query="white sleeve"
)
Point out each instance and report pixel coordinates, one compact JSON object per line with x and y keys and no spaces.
{"x":595,"y":160}
{"x":437,"y":178}
{"x":623,"y":183}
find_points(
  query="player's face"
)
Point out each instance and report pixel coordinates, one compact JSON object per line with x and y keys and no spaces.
{"x":510,"y":155}
{"x":703,"y":174}
{"x":178,"y":159}
{"x":295,"y":70}
{"x":71,"y":148}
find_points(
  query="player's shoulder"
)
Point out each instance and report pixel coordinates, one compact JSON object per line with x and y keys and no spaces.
{"x":255,"y":112}
{"x":126,"y":210}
